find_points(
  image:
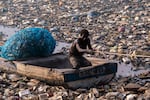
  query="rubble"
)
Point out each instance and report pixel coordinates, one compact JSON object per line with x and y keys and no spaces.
{"x":121,"y":88}
{"x":117,"y":26}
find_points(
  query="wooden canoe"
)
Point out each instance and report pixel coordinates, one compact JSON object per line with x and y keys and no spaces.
{"x":57,"y":70}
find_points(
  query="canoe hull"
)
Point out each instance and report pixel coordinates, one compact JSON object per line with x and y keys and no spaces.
{"x":90,"y":76}
{"x":90,"y":82}
{"x":84,"y":77}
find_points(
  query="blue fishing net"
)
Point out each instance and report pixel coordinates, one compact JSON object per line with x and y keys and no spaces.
{"x":28,"y":42}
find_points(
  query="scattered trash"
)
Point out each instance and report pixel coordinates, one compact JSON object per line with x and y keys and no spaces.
{"x":24,"y":92}
{"x":120,"y":29}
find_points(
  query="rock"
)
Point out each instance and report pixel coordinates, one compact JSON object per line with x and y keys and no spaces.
{"x":114,"y":49}
{"x":92,"y":14}
{"x":126,"y":60}
{"x":75,"y":18}
{"x":54,"y":29}
{"x":121,"y":29}
{"x":132,"y":87}
{"x":102,"y":98}
{"x":36,"y":20}
{"x":4,"y":76}
{"x":147,"y":98}
{"x":21,"y":84}
{"x":56,"y":98}
{"x":42,"y":88}
{"x":81,"y":90}
{"x":13,"y":98}
{"x":147,"y":85}
{"x":43,"y":96}
{"x":90,"y":96}
{"x":131,"y":97}
{"x":80,"y":97}
{"x":140,"y":98}
{"x":62,"y":94}
{"x":33,"y":82}
{"x":8,"y":92}
{"x":111,"y":95}
{"x":111,"y":44}
{"x":147,"y":92}
{"x":95,"y":92}
{"x":14,"y":77}
{"x":147,"y":64}
{"x":29,"y":97}
{"x":142,"y":89}
{"x":24,"y":92}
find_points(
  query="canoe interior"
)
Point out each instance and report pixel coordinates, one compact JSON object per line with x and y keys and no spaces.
{"x":58,"y":61}
{"x":61,"y":64}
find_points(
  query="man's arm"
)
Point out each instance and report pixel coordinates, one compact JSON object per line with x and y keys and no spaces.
{"x":82,"y":50}
{"x":89,"y":44}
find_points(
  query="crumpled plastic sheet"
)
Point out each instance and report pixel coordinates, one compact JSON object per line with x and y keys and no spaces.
{"x":28,"y":42}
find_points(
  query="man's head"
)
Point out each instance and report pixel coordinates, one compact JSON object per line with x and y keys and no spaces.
{"x":84,"y":33}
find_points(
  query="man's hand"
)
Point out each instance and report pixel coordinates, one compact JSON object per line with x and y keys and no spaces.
{"x":90,"y":52}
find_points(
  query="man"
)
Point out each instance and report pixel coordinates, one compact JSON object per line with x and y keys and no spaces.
{"x":78,"y":48}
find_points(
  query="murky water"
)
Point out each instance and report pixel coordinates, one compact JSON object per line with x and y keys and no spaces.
{"x":123,"y":69}
{"x":7,"y":31}
{"x":126,"y":70}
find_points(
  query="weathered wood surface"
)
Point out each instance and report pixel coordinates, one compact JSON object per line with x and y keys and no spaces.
{"x":42,"y":73}
{"x":57,"y":70}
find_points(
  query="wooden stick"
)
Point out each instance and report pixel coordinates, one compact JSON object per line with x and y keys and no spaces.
{"x":121,"y":54}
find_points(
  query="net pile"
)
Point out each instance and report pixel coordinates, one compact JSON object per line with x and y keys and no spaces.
{"x":28,"y":42}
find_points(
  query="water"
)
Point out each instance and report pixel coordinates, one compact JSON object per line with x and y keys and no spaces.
{"x":7,"y":32}
{"x":124,"y":70}
{"x":60,"y":46}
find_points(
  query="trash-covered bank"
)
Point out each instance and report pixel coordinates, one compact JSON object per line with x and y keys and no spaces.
{"x":120,"y":29}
